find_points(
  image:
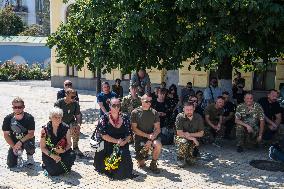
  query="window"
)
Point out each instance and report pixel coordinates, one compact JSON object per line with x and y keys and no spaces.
{"x":265,"y":80}
{"x":72,"y":71}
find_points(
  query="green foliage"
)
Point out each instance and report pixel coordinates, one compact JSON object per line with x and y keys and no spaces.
{"x":10,"y":23}
{"x":132,"y":34}
{"x":12,"y":71}
{"x":125,"y":34}
{"x":242,"y":30}
{"x":33,"y":30}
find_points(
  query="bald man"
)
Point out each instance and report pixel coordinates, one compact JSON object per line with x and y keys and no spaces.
{"x":62,"y":92}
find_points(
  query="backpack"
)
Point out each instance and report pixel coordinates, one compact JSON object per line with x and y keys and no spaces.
{"x":96,"y":140}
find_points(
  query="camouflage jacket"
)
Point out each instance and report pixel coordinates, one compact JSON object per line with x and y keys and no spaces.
{"x":250,"y":117}
{"x":128,"y":104}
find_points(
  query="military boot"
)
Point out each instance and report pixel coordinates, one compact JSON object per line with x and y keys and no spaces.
{"x":154,"y":168}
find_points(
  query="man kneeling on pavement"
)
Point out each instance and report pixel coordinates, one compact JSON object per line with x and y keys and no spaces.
{"x":18,"y":128}
{"x":190,"y":127}
{"x":71,"y":116}
{"x":249,"y":123}
{"x":145,"y":124}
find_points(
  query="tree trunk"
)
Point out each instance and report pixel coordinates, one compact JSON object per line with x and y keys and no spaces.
{"x":225,"y":70}
{"x":99,"y":82}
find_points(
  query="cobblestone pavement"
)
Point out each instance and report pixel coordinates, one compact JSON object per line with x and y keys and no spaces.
{"x":217,"y":169}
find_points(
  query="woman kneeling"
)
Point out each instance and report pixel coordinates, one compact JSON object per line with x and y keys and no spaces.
{"x":55,"y":144}
{"x":115,"y":159}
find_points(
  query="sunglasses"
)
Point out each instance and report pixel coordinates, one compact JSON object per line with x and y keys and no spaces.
{"x":73,"y":97}
{"x":18,"y":107}
{"x":115,"y":105}
{"x":68,"y":84}
{"x":193,"y":101}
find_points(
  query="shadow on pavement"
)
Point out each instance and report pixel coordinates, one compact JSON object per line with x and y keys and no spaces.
{"x":267,"y":165}
{"x":31,"y":170}
{"x":90,"y":116}
{"x":164,"y":173}
{"x":71,"y":178}
{"x":231,"y":168}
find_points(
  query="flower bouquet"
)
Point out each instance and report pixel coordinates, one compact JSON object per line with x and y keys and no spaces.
{"x":112,"y":162}
{"x":60,"y":145}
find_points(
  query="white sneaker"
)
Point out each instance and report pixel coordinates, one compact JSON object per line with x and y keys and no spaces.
{"x":271,"y":150}
{"x":30,"y":160}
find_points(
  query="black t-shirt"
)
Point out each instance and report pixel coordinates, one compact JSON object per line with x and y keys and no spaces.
{"x":161,"y":107}
{"x":228,"y":107}
{"x":27,"y":122}
{"x":270,"y":109}
{"x":240,"y":97}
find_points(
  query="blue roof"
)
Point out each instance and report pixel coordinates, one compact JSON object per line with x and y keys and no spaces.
{"x":23,"y":39}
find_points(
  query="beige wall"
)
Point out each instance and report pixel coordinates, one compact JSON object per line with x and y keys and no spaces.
{"x":57,"y":15}
{"x":85,"y":72}
{"x":156,"y":76}
{"x":279,"y":74}
{"x":57,"y":69}
{"x":198,"y":78}
{"x":114,"y":74}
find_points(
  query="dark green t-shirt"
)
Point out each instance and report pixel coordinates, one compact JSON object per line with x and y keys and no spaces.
{"x":145,"y":119}
{"x":69,"y":110}
{"x":214,"y":113}
{"x":186,"y":125}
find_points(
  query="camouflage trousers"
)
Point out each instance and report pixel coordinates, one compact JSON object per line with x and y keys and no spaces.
{"x":211,"y":135}
{"x":244,"y":138}
{"x":75,"y":134}
{"x":185,"y":148}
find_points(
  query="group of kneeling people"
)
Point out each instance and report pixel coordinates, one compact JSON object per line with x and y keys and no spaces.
{"x":58,"y":155}
{"x":117,"y":130}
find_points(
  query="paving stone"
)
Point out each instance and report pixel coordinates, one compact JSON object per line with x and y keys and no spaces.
{"x":218,"y":168}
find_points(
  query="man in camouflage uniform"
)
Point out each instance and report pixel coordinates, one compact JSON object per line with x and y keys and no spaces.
{"x":131,"y":101}
{"x":214,"y":129}
{"x":190,"y":127}
{"x":249,"y":122}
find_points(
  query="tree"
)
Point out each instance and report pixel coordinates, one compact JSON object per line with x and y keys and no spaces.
{"x":10,"y":23}
{"x":33,"y":30}
{"x":132,"y":34}
{"x":223,"y":34}
{"x":125,"y":34}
